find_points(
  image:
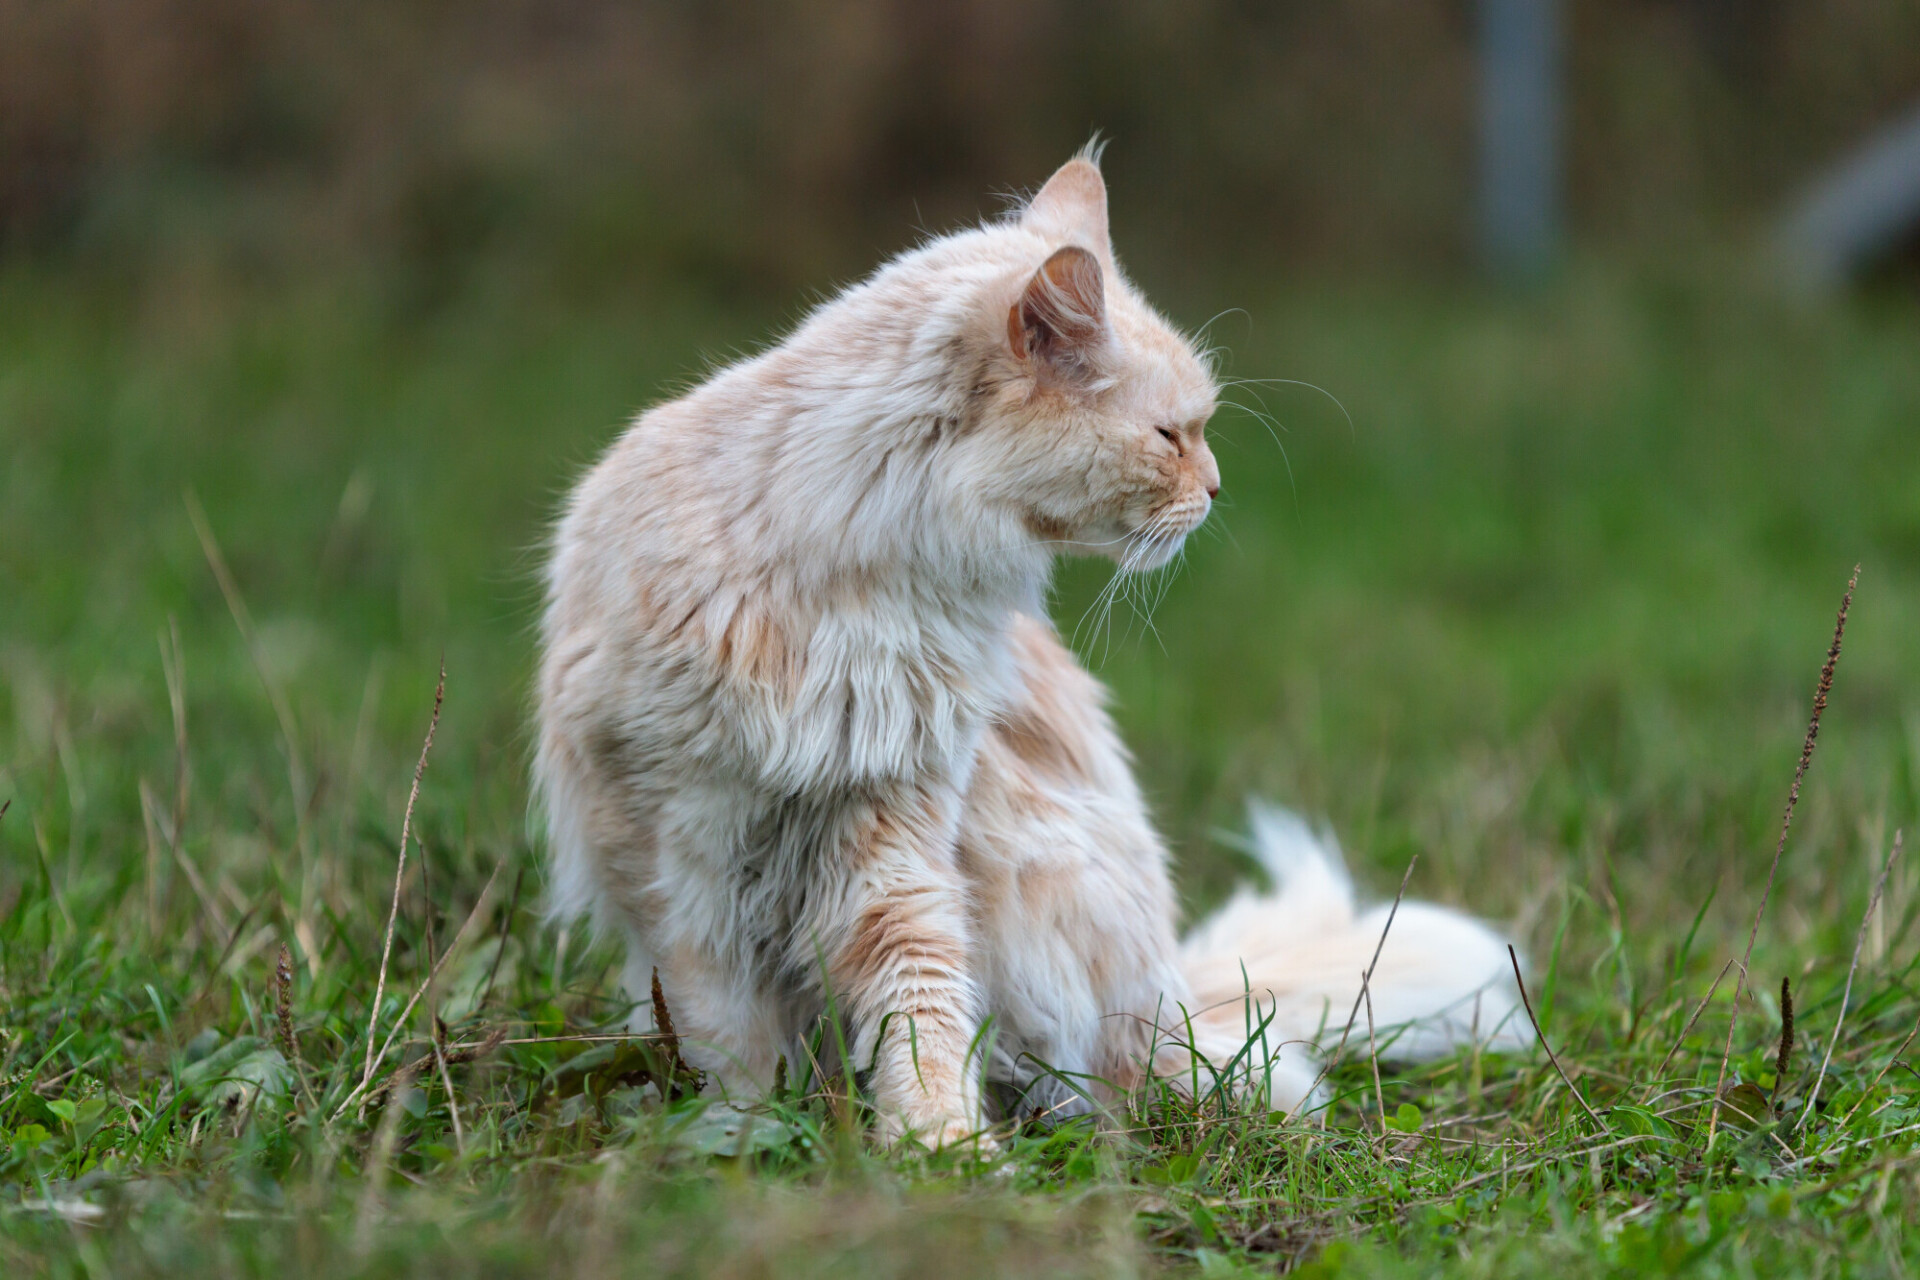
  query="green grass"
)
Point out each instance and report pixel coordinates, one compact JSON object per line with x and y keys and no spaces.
{"x":1548,"y":610}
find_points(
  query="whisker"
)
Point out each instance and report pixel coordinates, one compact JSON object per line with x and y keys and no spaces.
{"x":1103,"y":603}
{"x":1130,"y":573}
{"x":1150,"y":559}
{"x":1106,"y":589}
{"x":1271,"y":424}
{"x":1161,"y":580}
{"x":1212,"y":352}
{"x":1134,"y":571}
{"x":1294,"y":382}
{"x":1080,"y":542}
{"x":1156,"y":583}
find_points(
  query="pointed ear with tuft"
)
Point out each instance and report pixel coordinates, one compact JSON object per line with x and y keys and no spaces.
{"x":1059,"y":324}
{"x":1073,"y":206}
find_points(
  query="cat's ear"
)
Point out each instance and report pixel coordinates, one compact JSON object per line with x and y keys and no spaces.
{"x":1073,"y":205}
{"x":1059,"y":324}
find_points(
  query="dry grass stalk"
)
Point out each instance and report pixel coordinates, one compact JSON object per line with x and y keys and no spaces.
{"x":426,"y":890}
{"x":1339,"y":1050}
{"x":1892,"y":1061}
{"x":361,"y":1090}
{"x":153,"y":862}
{"x":1784,"y":1058}
{"x":1514,"y":957}
{"x":209,"y":903}
{"x":1685,"y":1031}
{"x":1846,"y":992}
{"x":224,"y":962}
{"x":453,"y":1055}
{"x":283,"y":1020}
{"x":283,"y":1004}
{"x":1566,"y":1156}
{"x":153,"y":873}
{"x":622,"y":1037}
{"x":1373,"y":1054}
{"x":1786,"y":824}
{"x":506,"y":932}
{"x":400,"y":871}
{"x":680,"y":1079}
{"x":663,"y":1023}
{"x":453,"y":1103}
{"x":173,"y":667}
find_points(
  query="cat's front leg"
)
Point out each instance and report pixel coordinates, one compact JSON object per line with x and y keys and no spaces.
{"x":899,"y":959}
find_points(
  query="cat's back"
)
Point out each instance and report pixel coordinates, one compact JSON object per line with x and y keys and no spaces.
{"x":668,"y":485}
{"x":755,"y":471}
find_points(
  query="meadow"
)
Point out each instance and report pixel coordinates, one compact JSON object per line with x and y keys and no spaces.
{"x":1536,"y":587}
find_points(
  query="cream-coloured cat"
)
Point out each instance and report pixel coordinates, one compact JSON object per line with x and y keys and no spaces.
{"x":805,"y":734}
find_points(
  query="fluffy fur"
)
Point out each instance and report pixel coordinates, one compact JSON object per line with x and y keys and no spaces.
{"x":805,"y":738}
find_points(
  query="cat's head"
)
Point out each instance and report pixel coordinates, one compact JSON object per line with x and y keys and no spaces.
{"x":1098,"y":405}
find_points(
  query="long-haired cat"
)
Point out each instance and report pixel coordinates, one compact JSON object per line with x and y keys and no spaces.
{"x":806,"y":738}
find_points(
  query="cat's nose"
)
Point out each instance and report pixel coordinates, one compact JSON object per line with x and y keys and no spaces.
{"x":1208,"y":472}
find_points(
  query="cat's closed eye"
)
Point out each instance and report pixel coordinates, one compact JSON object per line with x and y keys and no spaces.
{"x":1172,"y":437}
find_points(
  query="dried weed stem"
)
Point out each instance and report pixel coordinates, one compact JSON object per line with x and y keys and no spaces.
{"x":1334,"y":1058}
{"x":406,"y":1011}
{"x":1373,"y":1055}
{"x":400,"y":871}
{"x":1514,"y":957}
{"x":1685,"y":1031}
{"x":1784,"y":1058}
{"x":1786,"y":824}
{"x":1846,"y":992}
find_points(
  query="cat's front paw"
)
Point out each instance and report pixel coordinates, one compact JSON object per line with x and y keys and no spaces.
{"x":933,"y":1132}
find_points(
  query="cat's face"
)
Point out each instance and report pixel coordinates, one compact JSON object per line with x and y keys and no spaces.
{"x":1100,"y":407}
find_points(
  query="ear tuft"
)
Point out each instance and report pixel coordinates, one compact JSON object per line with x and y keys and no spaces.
{"x":1073,"y":204}
{"x":1059,"y":324}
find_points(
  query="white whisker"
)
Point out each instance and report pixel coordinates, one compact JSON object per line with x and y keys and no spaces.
{"x":1293,"y":382}
{"x":1274,"y":428}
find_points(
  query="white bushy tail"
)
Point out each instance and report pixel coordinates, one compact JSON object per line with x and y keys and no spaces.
{"x":1443,"y":979}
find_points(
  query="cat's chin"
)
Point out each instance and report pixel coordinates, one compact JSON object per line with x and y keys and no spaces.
{"x":1157,"y":541}
{"x":1140,"y":549}
{"x":1147,"y":555}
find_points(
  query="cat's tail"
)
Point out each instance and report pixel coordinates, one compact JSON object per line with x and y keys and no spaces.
{"x":1275,"y":976}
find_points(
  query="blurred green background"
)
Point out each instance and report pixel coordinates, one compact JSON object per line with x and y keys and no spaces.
{"x":1534,"y":580}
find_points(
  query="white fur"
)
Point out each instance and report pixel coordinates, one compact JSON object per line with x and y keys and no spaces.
{"x":1442,"y":979}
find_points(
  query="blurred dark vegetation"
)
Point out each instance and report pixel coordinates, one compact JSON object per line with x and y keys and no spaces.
{"x":760,"y":147}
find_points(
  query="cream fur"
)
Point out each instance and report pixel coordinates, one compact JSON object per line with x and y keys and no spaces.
{"x":804,"y":737}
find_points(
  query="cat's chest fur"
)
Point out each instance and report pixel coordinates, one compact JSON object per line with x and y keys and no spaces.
{"x":894,"y":686}
{"x":857,"y":683}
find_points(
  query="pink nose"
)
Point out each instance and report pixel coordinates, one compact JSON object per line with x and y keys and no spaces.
{"x":1213,"y":490}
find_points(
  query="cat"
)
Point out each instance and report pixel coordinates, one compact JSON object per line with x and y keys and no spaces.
{"x":806,"y":740}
